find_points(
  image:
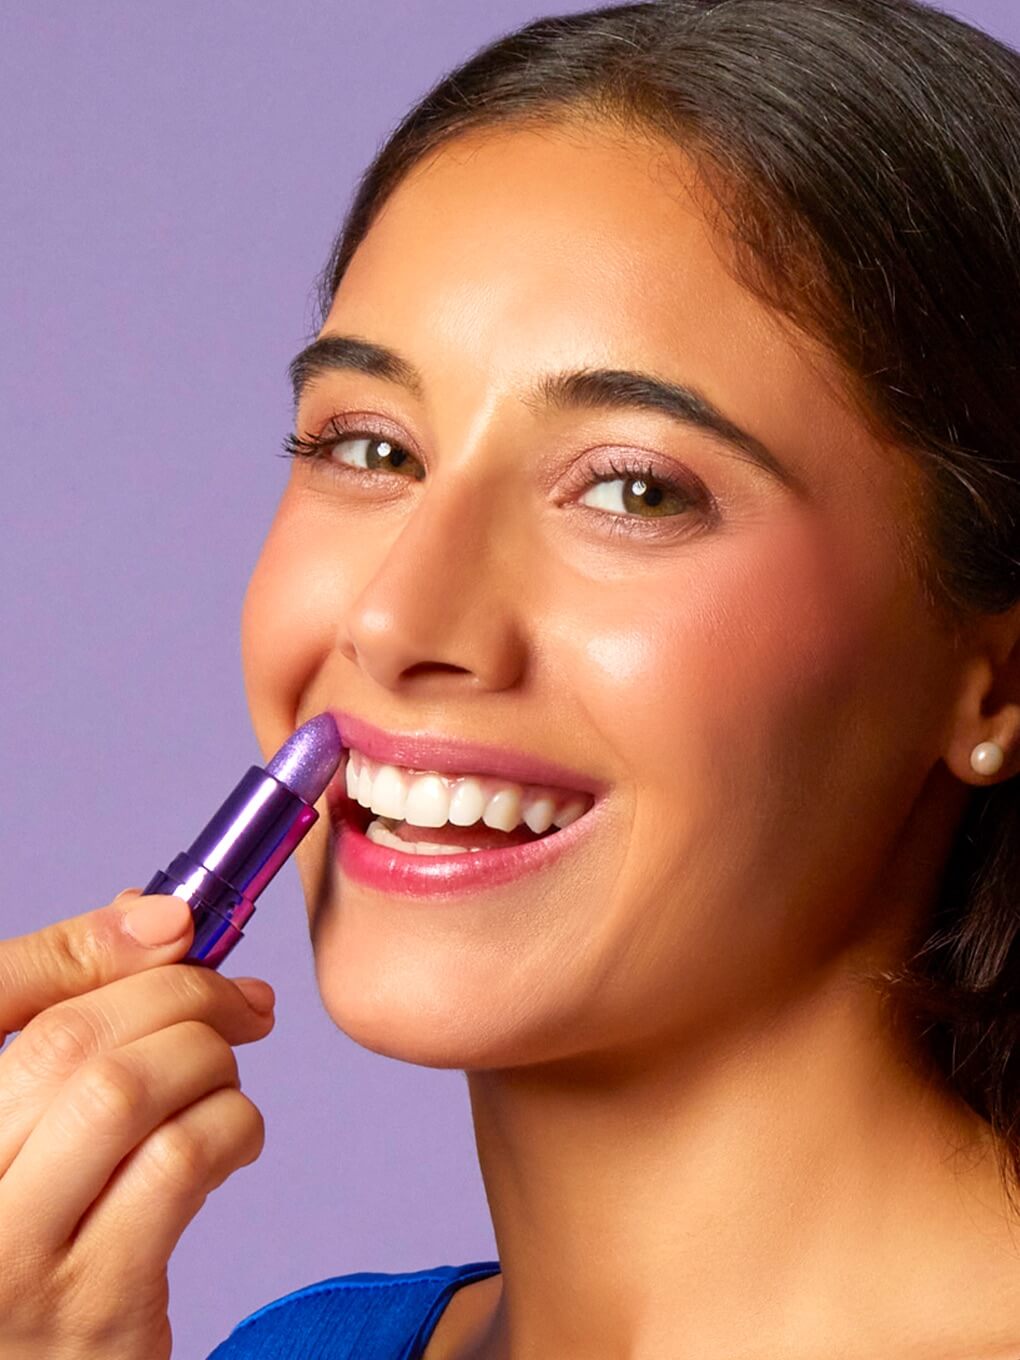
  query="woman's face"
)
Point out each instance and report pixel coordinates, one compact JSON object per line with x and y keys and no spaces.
{"x":740,"y":661}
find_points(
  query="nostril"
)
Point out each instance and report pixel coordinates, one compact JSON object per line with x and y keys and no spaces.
{"x":425,"y":667}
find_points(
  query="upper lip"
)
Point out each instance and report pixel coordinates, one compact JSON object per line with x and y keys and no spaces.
{"x":453,"y":756}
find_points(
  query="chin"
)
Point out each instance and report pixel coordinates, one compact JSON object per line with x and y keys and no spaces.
{"x":398,"y":1029}
{"x":390,"y":1002}
{"x":430,"y":1017}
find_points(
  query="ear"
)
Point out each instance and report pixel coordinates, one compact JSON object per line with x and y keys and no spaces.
{"x":988,"y":706}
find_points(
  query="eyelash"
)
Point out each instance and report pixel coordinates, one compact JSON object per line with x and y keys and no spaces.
{"x":318,"y":450}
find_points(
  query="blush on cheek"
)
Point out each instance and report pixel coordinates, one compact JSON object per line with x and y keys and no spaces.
{"x":823,"y":600}
{"x":734,"y":641}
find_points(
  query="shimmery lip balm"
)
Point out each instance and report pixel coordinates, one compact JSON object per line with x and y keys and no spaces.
{"x":250,"y":838}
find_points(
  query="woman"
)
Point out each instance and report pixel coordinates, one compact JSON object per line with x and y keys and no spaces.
{"x":655,"y":475}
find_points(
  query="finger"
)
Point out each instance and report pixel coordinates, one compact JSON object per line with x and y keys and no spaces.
{"x":83,"y":952}
{"x":97,"y":1118}
{"x":135,"y":1224}
{"x":56,"y":1043}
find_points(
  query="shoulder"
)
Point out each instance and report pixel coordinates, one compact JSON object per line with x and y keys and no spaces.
{"x":362,"y":1315}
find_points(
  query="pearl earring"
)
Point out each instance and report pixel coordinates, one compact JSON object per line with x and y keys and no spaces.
{"x":987,"y":757}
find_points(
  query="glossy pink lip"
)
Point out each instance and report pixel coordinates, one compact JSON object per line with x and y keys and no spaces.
{"x":392,"y":871}
{"x":450,"y":755}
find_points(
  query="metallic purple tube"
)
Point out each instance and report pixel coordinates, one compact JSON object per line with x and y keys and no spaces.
{"x":249,"y":839}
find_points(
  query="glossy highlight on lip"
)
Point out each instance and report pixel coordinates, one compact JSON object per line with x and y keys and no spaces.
{"x":392,"y":871}
{"x":451,"y":755}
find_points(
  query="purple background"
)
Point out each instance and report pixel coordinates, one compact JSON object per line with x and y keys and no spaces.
{"x":172,"y":176}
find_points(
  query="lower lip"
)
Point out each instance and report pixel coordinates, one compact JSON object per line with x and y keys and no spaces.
{"x":393,"y":871}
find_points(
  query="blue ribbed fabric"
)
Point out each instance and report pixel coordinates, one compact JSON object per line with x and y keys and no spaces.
{"x":366,"y":1316}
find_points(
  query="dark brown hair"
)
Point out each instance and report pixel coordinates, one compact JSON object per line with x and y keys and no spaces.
{"x":866,"y":156}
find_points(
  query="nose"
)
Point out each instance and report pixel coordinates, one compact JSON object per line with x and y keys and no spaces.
{"x":441,"y":606}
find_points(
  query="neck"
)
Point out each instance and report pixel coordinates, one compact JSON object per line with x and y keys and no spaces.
{"x":789,"y":1187}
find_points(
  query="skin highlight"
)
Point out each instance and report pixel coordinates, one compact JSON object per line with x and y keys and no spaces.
{"x":701,"y":1133}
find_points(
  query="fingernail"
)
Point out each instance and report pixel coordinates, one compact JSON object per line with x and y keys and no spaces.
{"x":259,"y":995}
{"x":158,"y":920}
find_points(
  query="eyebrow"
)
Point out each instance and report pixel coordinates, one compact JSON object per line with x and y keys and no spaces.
{"x":588,"y":388}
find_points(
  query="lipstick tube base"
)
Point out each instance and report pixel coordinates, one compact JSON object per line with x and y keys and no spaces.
{"x":218,"y":928}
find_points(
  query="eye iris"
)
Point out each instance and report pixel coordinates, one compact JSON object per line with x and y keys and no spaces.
{"x":387,"y":456}
{"x":385,"y":450}
{"x":638,"y":494}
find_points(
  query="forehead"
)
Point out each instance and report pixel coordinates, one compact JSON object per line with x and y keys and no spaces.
{"x":566,"y":243}
{"x":514,"y":251}
{"x":572,"y":225}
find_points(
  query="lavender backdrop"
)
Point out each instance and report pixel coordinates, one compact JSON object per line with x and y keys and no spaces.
{"x":172,"y":176}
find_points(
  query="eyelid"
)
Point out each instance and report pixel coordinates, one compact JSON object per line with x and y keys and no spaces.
{"x":702,"y":511}
{"x":666,"y":470}
{"x":548,"y":470}
{"x":548,"y":466}
{"x":349,"y":424}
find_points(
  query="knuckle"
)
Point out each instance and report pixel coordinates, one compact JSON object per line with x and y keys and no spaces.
{"x":203,"y":992}
{"x":178,"y":1155}
{"x":243,"y":1139}
{"x":254,"y":1130}
{"x":193,"y":988}
{"x":83,"y":948}
{"x":201,"y":1040}
{"x":108,"y":1093}
{"x":191,"y":984}
{"x":59,"y":1040}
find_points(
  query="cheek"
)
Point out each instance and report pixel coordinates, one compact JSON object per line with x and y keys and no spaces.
{"x":732,"y":692}
{"x":289,"y":618}
{"x":734,"y":643}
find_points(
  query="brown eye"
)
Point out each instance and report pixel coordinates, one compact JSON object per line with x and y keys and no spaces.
{"x":643,"y":497}
{"x":379,"y":455}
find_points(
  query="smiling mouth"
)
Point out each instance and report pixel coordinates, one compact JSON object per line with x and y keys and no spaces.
{"x":423,"y":812}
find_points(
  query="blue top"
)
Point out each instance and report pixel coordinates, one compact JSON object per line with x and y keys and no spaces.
{"x":366,"y":1316}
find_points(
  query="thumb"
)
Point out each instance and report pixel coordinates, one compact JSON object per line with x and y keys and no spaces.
{"x":73,"y":956}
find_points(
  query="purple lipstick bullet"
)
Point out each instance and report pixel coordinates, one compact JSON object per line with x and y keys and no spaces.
{"x":250,"y":838}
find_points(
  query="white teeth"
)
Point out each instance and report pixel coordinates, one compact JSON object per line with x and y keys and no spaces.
{"x":389,"y":792}
{"x":503,"y":810}
{"x":467,"y":803}
{"x":538,"y":814}
{"x":428,"y":801}
{"x":569,"y":814}
{"x":382,"y":835}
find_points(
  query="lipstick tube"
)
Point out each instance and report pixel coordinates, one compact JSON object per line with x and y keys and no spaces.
{"x":241,"y":850}
{"x":249,"y":839}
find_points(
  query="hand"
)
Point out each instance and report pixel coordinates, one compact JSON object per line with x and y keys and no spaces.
{"x":120,"y":1110}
